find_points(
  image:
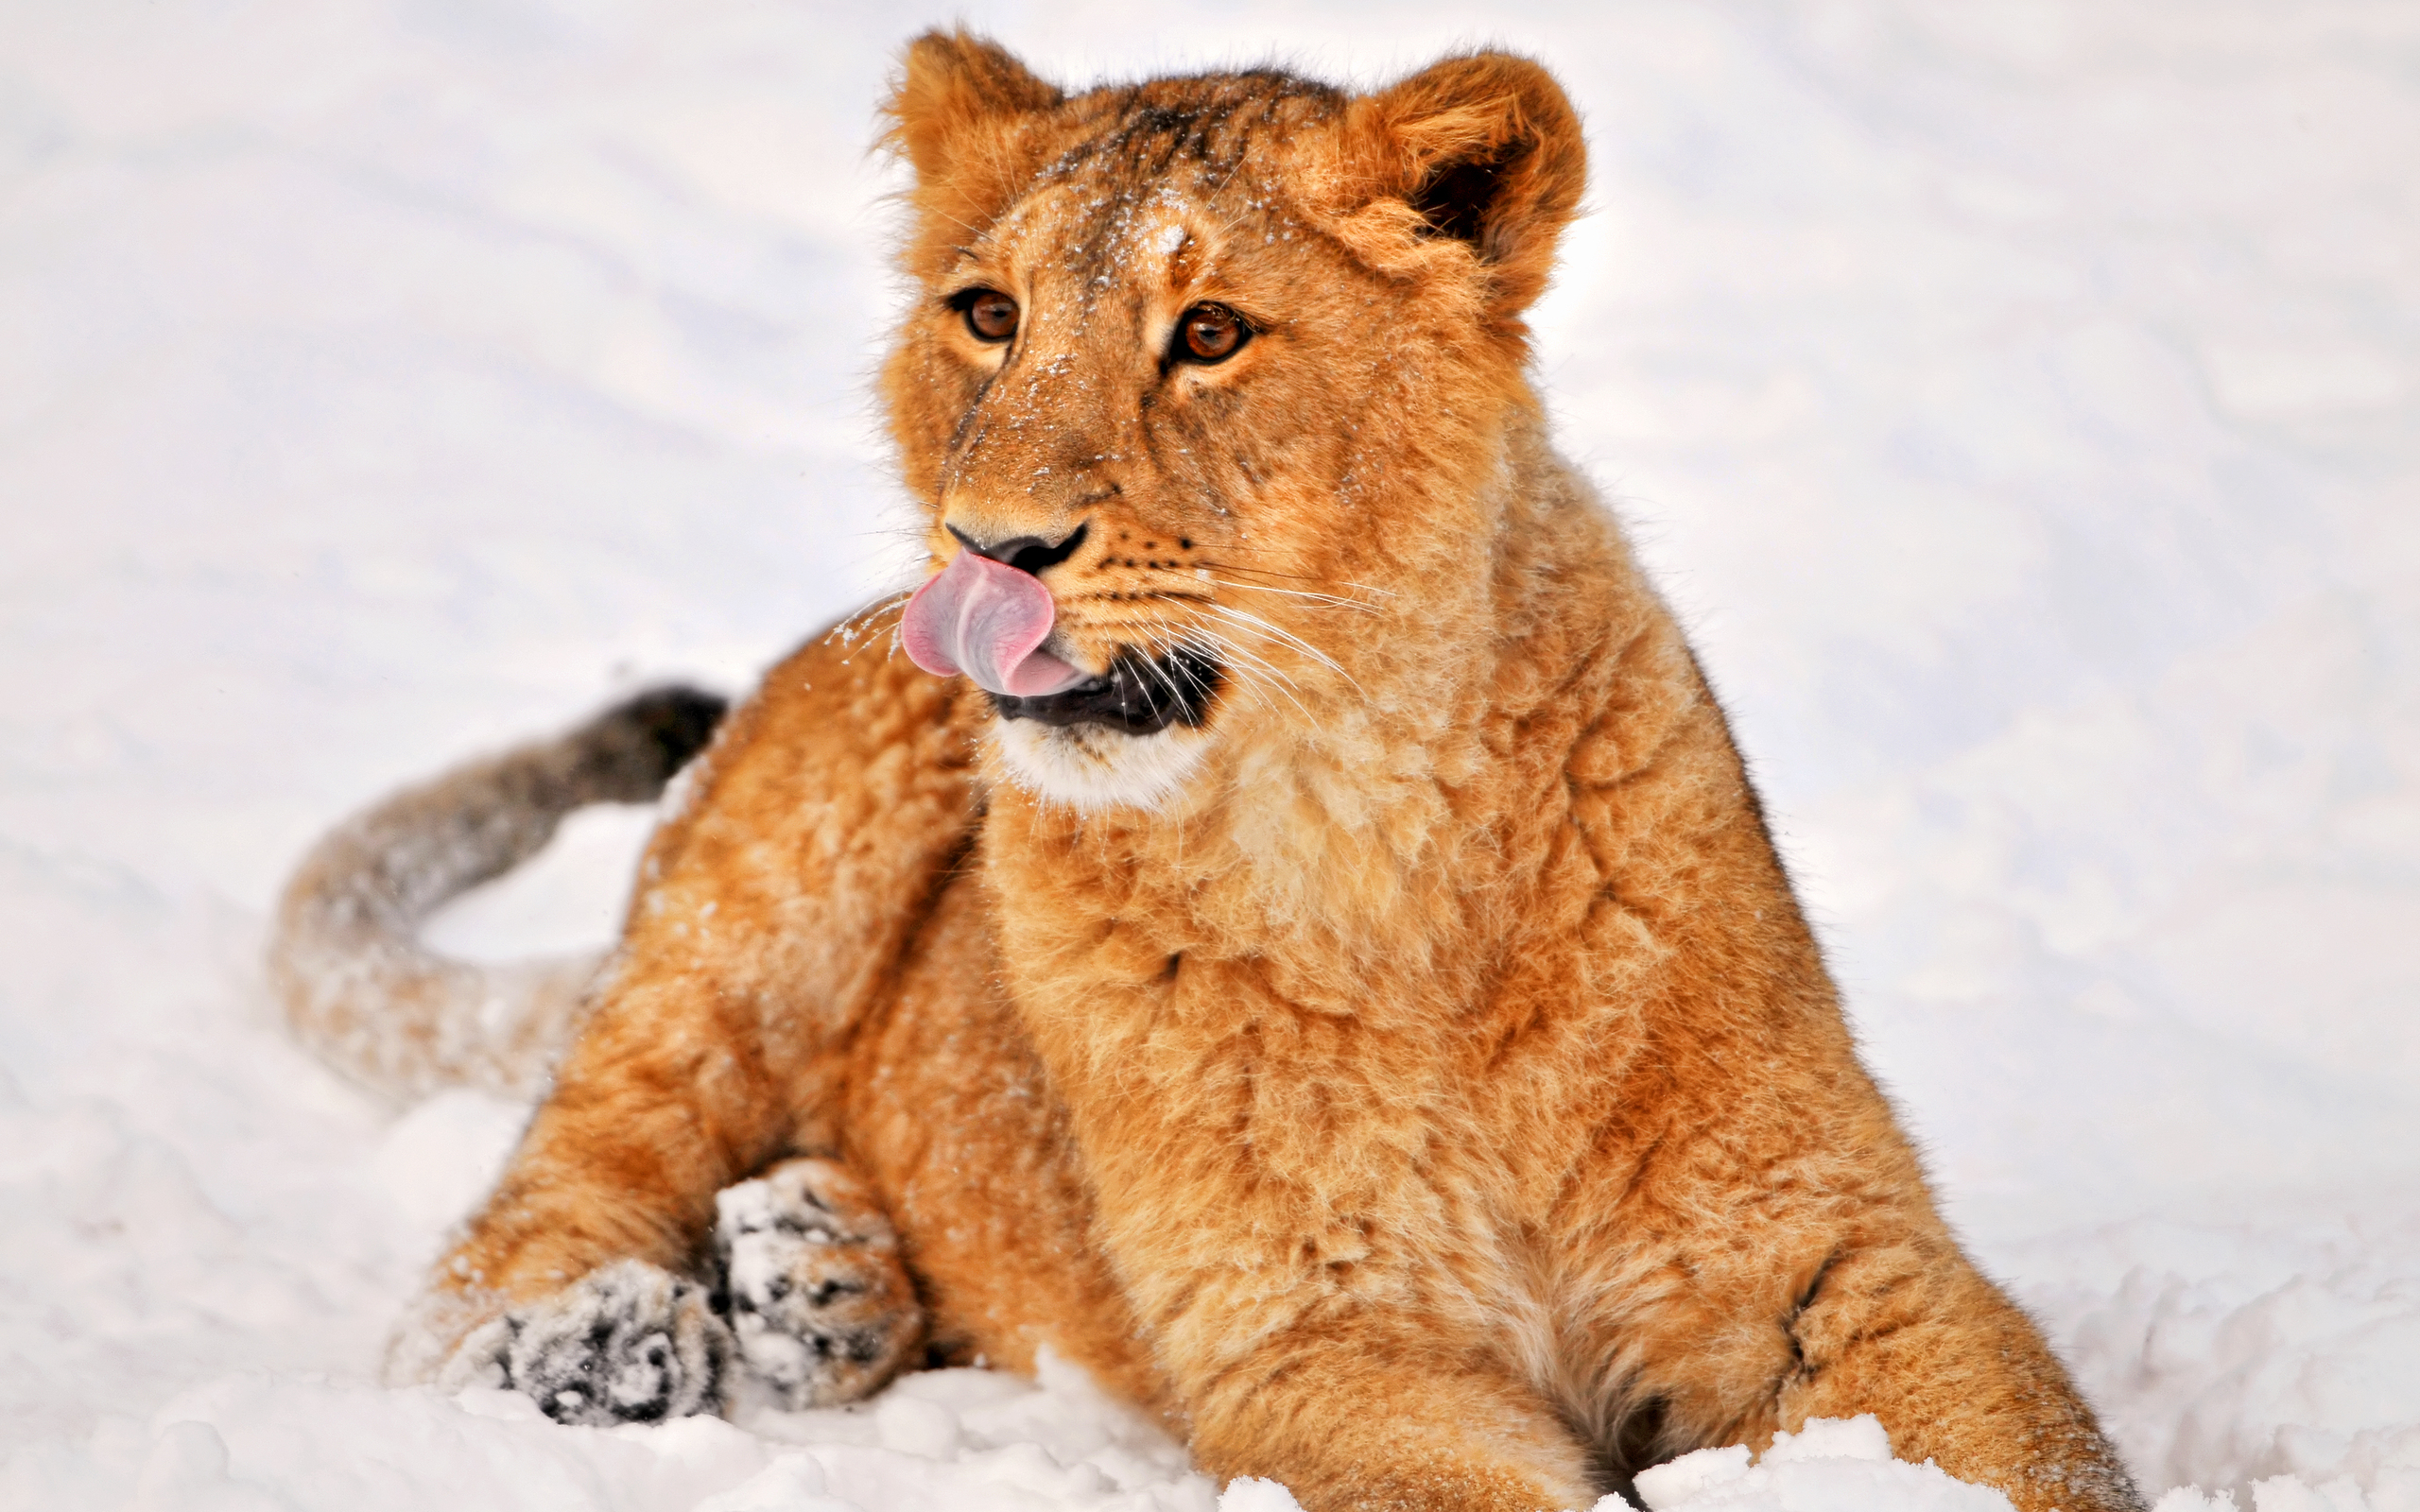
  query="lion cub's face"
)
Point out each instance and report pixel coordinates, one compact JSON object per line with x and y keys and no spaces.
{"x":1177,"y":355}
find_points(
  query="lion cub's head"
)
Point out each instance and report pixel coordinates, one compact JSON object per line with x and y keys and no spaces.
{"x":1209,"y":385}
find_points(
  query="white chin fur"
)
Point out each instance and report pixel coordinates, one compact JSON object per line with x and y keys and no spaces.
{"x":1090,"y":767}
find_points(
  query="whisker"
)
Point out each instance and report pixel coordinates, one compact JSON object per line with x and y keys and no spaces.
{"x":1160,"y":669}
{"x":1325,"y":600}
{"x":1246,"y":680}
{"x":1188,"y":668}
{"x":1257,"y":668}
{"x":1282,"y":636}
{"x":1229,"y":656}
{"x":849,"y":630}
{"x":1260,"y":629}
{"x":1274,"y":670}
{"x":1295,"y":578}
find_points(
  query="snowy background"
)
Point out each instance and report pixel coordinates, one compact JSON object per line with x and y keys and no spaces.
{"x":2022,"y":401}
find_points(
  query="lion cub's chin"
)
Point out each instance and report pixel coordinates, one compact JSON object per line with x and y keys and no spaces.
{"x":1091,"y":767}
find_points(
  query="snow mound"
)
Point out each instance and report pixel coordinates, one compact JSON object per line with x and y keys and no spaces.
{"x":942,"y":1442}
{"x":2283,"y":1493}
{"x":2235,"y":1357}
{"x":1831,"y":1464}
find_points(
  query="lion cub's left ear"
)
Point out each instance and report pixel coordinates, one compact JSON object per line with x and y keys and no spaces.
{"x":1485,"y":149}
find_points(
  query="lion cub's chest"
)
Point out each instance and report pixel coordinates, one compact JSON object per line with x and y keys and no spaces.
{"x":1186,"y":1018}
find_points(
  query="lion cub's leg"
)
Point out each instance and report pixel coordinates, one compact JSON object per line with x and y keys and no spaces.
{"x":770,"y":909}
{"x":1889,"y":1319}
{"x":1366,"y":1414}
{"x":821,"y":1306}
{"x":1959,"y":1375}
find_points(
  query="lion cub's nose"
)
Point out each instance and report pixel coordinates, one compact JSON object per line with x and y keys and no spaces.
{"x":1026,"y":554}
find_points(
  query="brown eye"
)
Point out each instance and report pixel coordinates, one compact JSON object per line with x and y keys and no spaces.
{"x":990,"y":315}
{"x":1210,"y":332}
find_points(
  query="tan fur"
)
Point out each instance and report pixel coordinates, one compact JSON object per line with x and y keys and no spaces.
{"x":1434,"y":1097}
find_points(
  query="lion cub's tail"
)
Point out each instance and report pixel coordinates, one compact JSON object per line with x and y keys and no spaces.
{"x":362,"y":991}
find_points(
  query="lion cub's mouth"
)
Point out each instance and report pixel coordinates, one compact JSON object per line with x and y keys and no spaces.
{"x":1138,"y":694}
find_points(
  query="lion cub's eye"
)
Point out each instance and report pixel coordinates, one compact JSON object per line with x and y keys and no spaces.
{"x":990,"y":315}
{"x":1210,"y":332}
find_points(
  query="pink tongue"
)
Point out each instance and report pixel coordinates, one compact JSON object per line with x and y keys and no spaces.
{"x":986,"y":618}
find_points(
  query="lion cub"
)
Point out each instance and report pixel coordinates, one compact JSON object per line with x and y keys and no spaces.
{"x":1277,"y":917}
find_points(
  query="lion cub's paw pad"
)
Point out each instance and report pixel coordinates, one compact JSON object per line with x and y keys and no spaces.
{"x":822,"y":1310}
{"x":627,"y":1344}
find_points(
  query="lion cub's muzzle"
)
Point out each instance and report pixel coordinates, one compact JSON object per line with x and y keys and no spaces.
{"x":989,"y":618}
{"x":1138,"y":694}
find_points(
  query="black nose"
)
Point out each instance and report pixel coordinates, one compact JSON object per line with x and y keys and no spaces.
{"x":1026,"y":554}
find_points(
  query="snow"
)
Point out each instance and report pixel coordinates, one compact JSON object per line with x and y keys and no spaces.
{"x":2019,"y":400}
{"x":950,"y":1439}
{"x":1831,"y":1464}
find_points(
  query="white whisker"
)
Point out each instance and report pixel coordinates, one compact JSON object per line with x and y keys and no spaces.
{"x":1252,"y":669}
{"x":849,"y":630}
{"x":1264,"y":571}
{"x":1262,"y":627}
{"x":1325,"y":600}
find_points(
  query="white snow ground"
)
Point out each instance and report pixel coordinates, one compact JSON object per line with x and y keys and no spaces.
{"x":2022,"y":400}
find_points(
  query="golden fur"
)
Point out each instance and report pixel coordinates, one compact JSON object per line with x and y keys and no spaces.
{"x":1418,"y":1081}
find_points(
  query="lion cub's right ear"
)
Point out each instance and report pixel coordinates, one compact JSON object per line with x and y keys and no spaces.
{"x":967,"y":116}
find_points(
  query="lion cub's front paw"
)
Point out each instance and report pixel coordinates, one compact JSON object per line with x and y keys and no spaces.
{"x":821,"y":1308}
{"x":627,"y":1344}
